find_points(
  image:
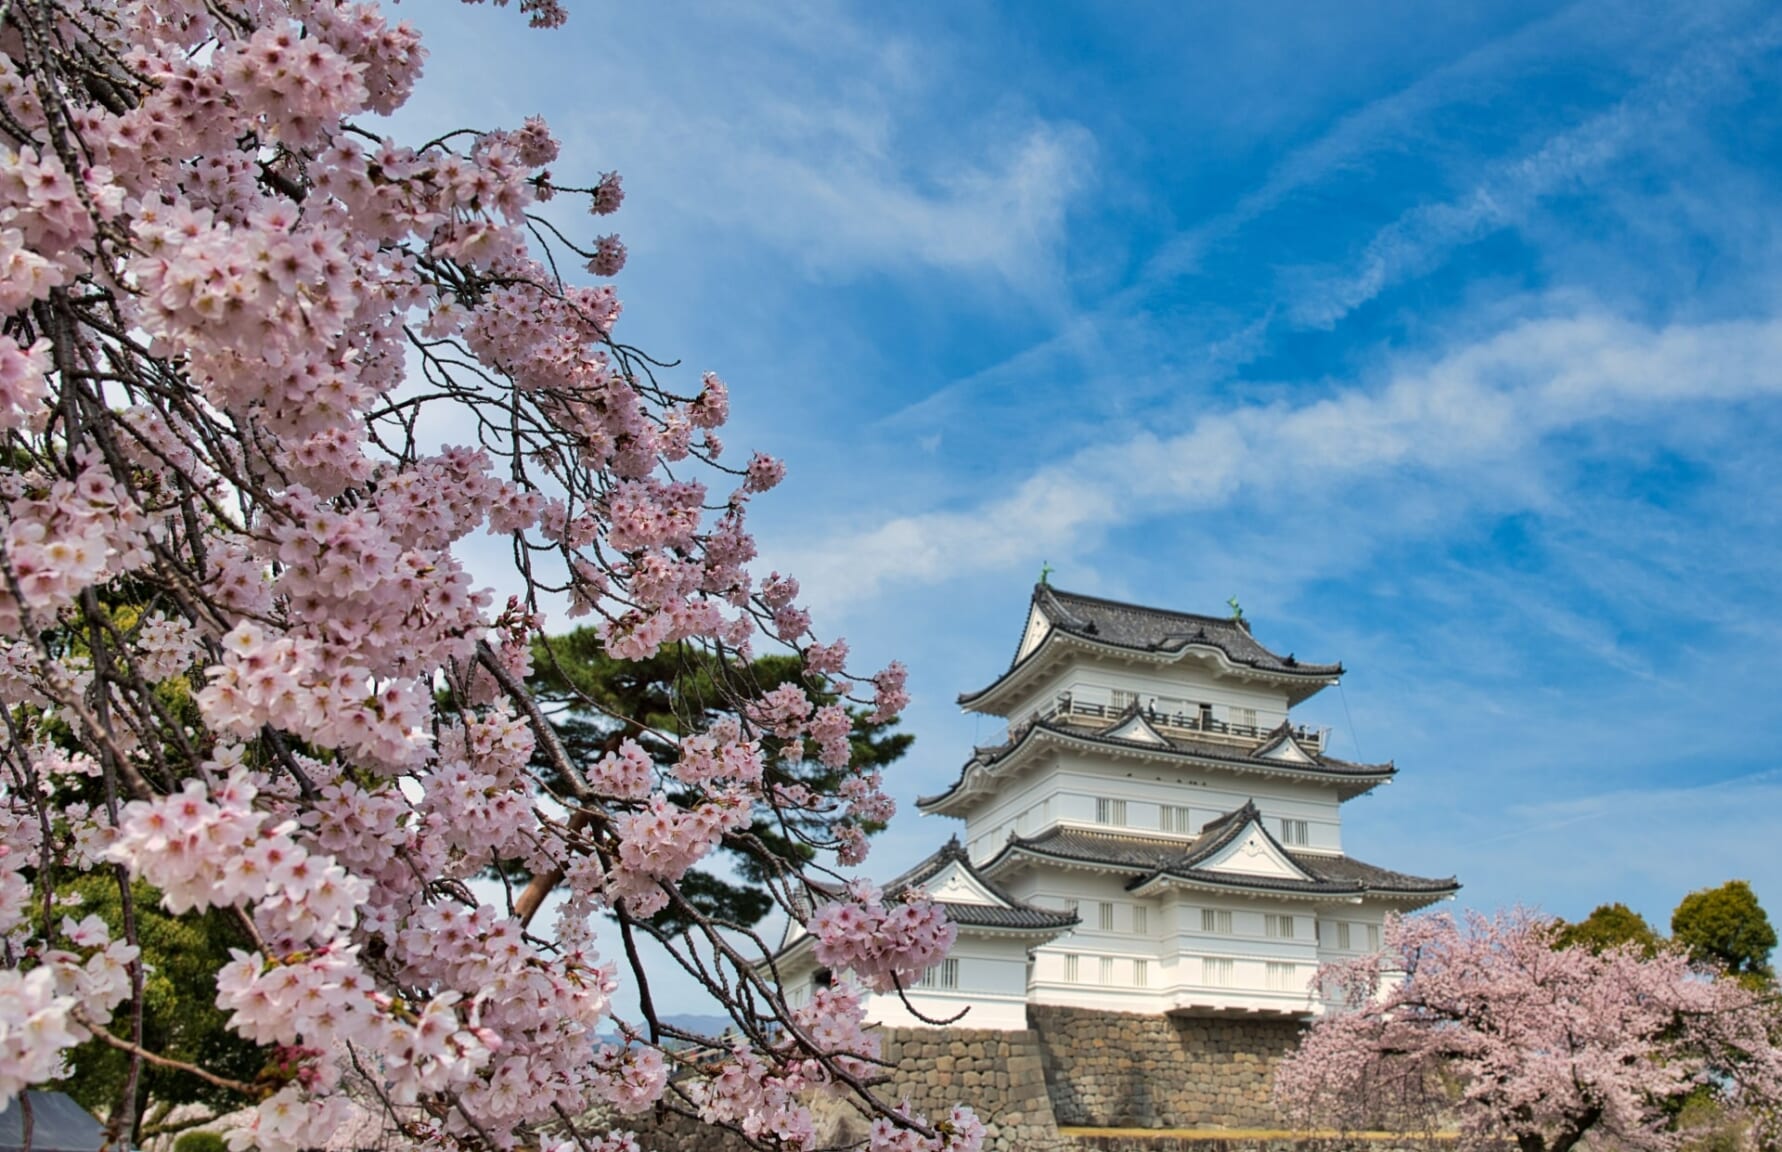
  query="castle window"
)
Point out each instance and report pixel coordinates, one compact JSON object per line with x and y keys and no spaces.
{"x":1216,"y":920}
{"x":1123,"y":699}
{"x":942,"y":975}
{"x":1107,"y":916}
{"x":1175,"y":818}
{"x":1280,"y":977}
{"x":1373,"y":937}
{"x":1220,"y":973}
{"x":1245,"y":718}
{"x":1110,"y":811}
{"x":1343,"y":935}
{"x":1295,"y":832}
{"x":1141,"y":919}
{"x":1071,"y":968}
{"x":1277,"y":927}
{"x":1141,"y":973}
{"x":1107,"y":969}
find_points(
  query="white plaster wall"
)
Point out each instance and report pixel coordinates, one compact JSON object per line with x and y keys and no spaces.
{"x":1361,"y":918}
{"x":999,"y":1013}
{"x":1023,"y":805}
{"x":992,"y":983}
{"x":1174,"y":948}
{"x":1074,"y":781}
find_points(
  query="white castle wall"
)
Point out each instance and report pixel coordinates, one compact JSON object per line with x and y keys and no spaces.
{"x":1066,"y":788}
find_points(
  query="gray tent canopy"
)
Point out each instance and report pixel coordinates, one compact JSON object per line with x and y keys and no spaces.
{"x":58,"y":1124}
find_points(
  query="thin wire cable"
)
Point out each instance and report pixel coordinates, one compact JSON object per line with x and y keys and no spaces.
{"x":1354,"y":736}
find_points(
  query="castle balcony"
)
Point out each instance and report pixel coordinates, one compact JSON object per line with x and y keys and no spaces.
{"x":1171,"y":717}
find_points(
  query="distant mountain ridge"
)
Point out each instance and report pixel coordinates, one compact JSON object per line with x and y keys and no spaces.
{"x":709,"y":1024}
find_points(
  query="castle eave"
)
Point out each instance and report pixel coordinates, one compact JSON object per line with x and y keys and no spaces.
{"x":979,"y":776}
{"x":1150,"y":635}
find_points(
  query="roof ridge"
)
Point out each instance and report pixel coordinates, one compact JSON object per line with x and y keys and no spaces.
{"x":1152,"y":609}
{"x":1247,"y":810}
{"x":1138,"y":834}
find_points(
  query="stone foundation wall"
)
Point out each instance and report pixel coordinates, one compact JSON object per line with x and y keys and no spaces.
{"x":1000,"y":1074}
{"x":1072,"y":1068}
{"x":1120,"y":1070}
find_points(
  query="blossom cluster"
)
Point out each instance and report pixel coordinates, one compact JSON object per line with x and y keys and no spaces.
{"x":42,"y":1010}
{"x":887,"y":947}
{"x":1484,"y":1023}
{"x":241,"y":652}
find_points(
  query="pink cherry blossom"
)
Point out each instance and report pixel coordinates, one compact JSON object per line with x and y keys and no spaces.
{"x":608,"y":194}
{"x":235,"y":304}
{"x":1487,"y":1023}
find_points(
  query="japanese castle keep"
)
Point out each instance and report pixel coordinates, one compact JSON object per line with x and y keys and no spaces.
{"x":1150,"y":870}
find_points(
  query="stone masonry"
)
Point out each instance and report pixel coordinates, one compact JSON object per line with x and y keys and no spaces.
{"x":1072,"y":1068}
{"x":1120,"y":1070}
{"x":1000,"y":1074}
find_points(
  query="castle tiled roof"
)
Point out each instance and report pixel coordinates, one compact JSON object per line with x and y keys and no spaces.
{"x":1135,"y":626}
{"x":1352,"y":778}
{"x":1011,"y":915}
{"x":1082,"y":846}
{"x":1139,"y":629}
{"x":1153,"y":859}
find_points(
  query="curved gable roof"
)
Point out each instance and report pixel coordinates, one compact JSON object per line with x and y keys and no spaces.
{"x":1135,"y":628}
{"x":1154,"y":861}
{"x":1352,"y":779}
{"x":1008,"y":914}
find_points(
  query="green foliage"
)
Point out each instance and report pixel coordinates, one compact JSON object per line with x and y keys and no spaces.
{"x":1610,"y":926}
{"x":200,"y":1142}
{"x":1706,"y":1123}
{"x":181,"y":955}
{"x":680,"y":691}
{"x":1727,"y":926}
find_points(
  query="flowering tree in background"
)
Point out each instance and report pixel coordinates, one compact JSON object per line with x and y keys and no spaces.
{"x":1488,"y":1026}
{"x":242,"y":662}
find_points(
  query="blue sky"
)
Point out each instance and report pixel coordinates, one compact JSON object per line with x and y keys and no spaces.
{"x":1446,"y":337}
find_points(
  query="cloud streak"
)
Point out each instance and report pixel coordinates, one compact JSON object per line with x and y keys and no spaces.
{"x":1419,"y":239}
{"x":1475,"y":409}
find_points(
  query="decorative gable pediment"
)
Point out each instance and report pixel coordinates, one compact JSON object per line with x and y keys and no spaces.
{"x":1037,"y":629}
{"x":1135,"y":728}
{"x":955,"y":885}
{"x":1285,"y":748}
{"x":1254,"y":854}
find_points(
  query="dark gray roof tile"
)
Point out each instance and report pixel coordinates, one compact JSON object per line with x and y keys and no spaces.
{"x":1321,"y":766}
{"x":1019,"y":917}
{"x":1149,"y":857}
{"x":1013,"y":914}
{"x":1135,"y":626}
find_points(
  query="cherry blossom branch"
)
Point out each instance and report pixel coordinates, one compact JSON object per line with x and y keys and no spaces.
{"x":139,"y":1053}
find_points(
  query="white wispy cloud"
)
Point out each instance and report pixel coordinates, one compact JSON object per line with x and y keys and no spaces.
{"x":807,"y":127}
{"x":1472,"y":410}
{"x":1704,"y":55}
{"x":840,"y":208}
{"x":812,"y":130}
{"x":1422,"y":237}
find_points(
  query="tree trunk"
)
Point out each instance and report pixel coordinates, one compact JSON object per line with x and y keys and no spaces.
{"x":532,"y":897}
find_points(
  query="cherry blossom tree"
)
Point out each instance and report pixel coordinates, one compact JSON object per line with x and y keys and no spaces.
{"x":1486,"y":1025}
{"x":242,"y":660}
